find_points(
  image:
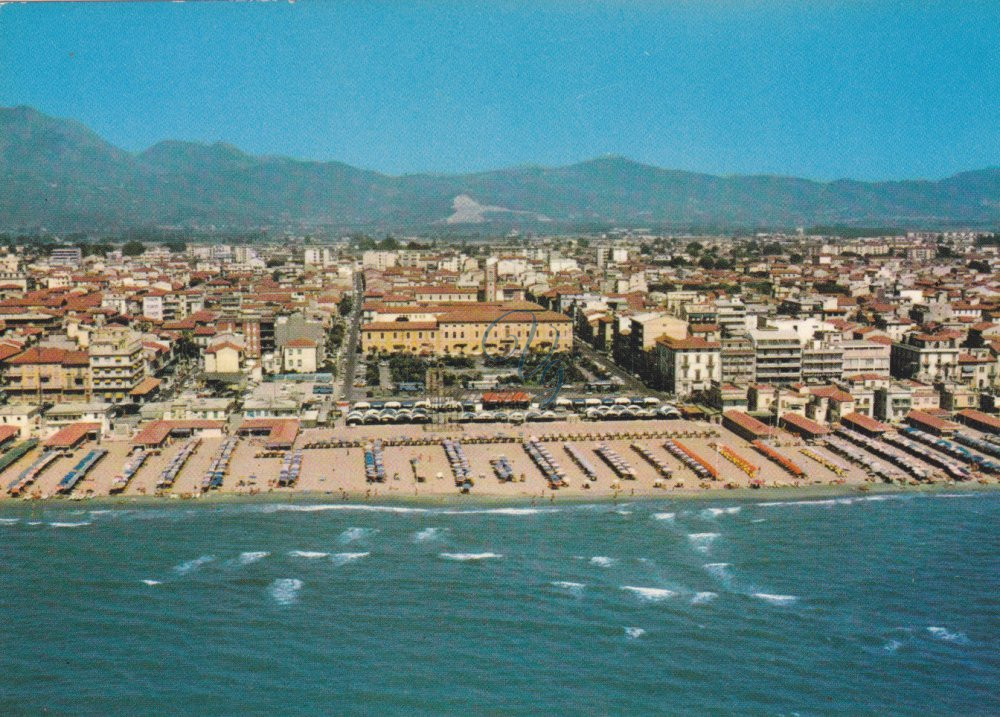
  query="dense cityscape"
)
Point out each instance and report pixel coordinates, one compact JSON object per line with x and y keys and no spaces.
{"x":181,"y":368}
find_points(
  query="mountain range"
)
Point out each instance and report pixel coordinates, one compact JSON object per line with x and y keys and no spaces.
{"x":58,"y":175}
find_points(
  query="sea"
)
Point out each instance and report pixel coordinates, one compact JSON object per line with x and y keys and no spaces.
{"x":860,"y":605}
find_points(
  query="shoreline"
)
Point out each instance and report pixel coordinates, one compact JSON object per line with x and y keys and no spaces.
{"x":216,"y":499}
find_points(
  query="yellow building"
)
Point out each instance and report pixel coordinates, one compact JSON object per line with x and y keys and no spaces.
{"x":467,"y":330}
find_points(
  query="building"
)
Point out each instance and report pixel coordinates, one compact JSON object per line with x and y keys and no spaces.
{"x":777,"y":356}
{"x":117,"y":363}
{"x":822,"y":361}
{"x":926,"y":357}
{"x":42,"y":376}
{"x":737,"y":357}
{"x":70,"y":256}
{"x":865,"y":357}
{"x":687,"y":365}
{"x":469,"y":330}
{"x":300,"y":356}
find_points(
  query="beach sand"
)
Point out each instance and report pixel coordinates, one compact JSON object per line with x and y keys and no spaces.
{"x":339,"y":471}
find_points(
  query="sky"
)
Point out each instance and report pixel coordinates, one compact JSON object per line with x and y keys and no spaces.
{"x":819,"y":89}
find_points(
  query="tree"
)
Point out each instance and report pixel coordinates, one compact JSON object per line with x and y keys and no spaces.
{"x":175,"y":246}
{"x":133,"y":248}
{"x":945,"y":252}
{"x":693,"y":247}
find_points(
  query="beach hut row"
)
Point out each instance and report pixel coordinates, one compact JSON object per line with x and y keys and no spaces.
{"x":824,"y":461}
{"x":503,"y":469}
{"x":950,"y":452}
{"x":661,"y":467}
{"x":701,"y":467}
{"x":372,"y":417}
{"x":883,"y":450}
{"x":542,"y":458}
{"x":30,"y":474}
{"x":787,"y":463}
{"x":77,"y":472}
{"x":736,"y":459}
{"x":217,"y":469}
{"x":457,"y":460}
{"x":928,"y":455}
{"x":864,"y":459}
{"x":291,"y":466}
{"x":983,"y":446}
{"x":617,"y":464}
{"x":132,"y":465}
{"x":169,"y":474}
{"x":576,"y":455}
{"x":375,"y":463}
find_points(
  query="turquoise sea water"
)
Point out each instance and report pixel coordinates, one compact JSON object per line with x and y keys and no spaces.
{"x":863,"y":605}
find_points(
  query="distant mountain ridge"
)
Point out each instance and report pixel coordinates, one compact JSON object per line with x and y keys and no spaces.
{"x":58,"y":174}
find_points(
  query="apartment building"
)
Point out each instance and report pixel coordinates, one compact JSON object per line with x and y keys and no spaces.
{"x":117,"y":363}
{"x":777,"y":356}
{"x":47,"y":375}
{"x":687,"y":365}
{"x":926,"y":357}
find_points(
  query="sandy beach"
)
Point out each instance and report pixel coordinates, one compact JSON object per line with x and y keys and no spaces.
{"x":416,"y":466}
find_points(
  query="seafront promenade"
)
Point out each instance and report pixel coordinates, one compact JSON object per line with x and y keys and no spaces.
{"x":627,"y":458}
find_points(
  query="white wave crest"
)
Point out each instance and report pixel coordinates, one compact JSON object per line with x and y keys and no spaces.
{"x":285,"y":591}
{"x":151,"y":582}
{"x":649,"y":594}
{"x":716,"y":512}
{"x":309,"y":554}
{"x":567,"y":584}
{"x":776,"y":599}
{"x":469,"y":556}
{"x":602,"y":561}
{"x":192,"y":565}
{"x":344,"y":558}
{"x":664,"y":516}
{"x":253,"y":556}
{"x":321,"y":507}
{"x":892,"y":645}
{"x":501,"y":511}
{"x":9,"y":521}
{"x":78,"y":524}
{"x":634,"y":633}
{"x":703,"y":597}
{"x":427,"y":534}
{"x":702,"y":542}
{"x":352,"y":534}
{"x":947,"y":635}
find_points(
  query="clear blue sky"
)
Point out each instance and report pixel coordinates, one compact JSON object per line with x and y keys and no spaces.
{"x":870,"y":90}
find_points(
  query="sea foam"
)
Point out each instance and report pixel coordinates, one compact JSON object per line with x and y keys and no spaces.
{"x":469,"y":556}
{"x":776,"y":599}
{"x":716,"y":512}
{"x":702,"y":541}
{"x":253,"y":556}
{"x":634,"y":633}
{"x":352,"y":534}
{"x":664,"y":516}
{"x":427,"y":534}
{"x":703,"y":597}
{"x":9,"y":521}
{"x":285,"y":591}
{"x":649,"y":594}
{"x":344,"y":558}
{"x":602,"y":561}
{"x":192,"y":565}
{"x":947,"y":635}
{"x":309,"y":554}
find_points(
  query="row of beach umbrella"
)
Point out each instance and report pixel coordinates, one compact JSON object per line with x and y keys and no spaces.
{"x":169,"y":474}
